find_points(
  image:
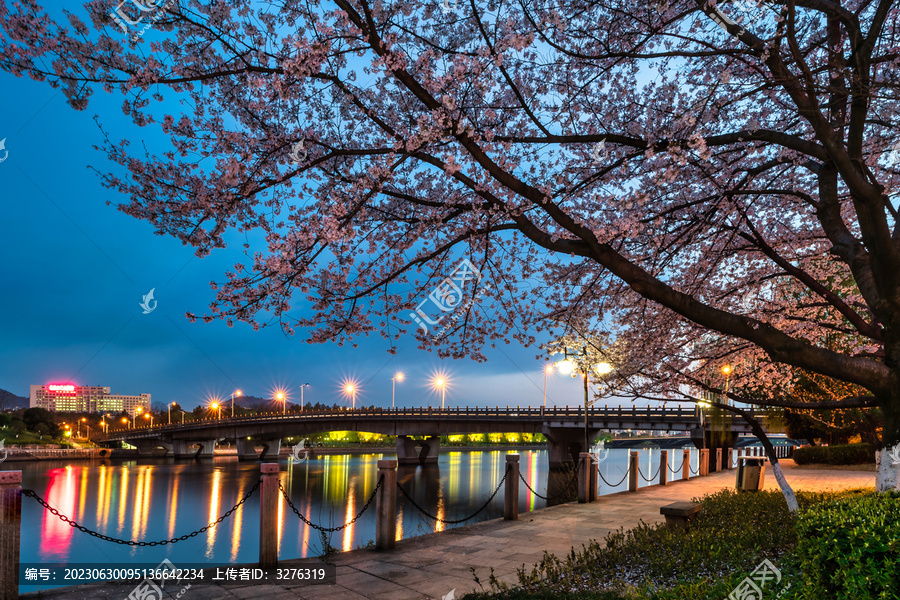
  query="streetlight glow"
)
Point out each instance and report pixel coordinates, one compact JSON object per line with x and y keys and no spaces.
{"x":566,"y":366}
{"x":350,"y":387}
{"x":398,"y":376}
{"x":603,"y":368}
{"x":440,"y":381}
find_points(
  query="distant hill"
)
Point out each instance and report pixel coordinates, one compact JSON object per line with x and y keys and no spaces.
{"x":9,"y":401}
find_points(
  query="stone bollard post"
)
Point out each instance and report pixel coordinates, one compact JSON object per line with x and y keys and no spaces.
{"x":268,"y":515}
{"x":511,"y":492}
{"x":663,"y":467}
{"x":730,"y":464}
{"x":686,"y":465}
{"x":10,"y":533}
{"x":718,"y":459}
{"x":587,"y":478}
{"x":704,"y":462}
{"x":633,"y":470}
{"x":386,"y":506}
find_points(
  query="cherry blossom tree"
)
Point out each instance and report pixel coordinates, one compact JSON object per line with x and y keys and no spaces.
{"x":719,"y":179}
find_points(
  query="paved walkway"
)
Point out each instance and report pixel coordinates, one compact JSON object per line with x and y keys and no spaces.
{"x":428,"y":567}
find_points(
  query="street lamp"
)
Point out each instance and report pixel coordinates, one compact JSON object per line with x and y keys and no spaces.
{"x":350,"y":390}
{"x":398,"y":376}
{"x":149,"y":416}
{"x":237,"y":393}
{"x":726,"y":371}
{"x":568,"y":366}
{"x":215,"y":406}
{"x":547,"y":370}
{"x":281,"y":398}
{"x":440,"y":382}
{"x":302,"y":401}
{"x":129,"y":423}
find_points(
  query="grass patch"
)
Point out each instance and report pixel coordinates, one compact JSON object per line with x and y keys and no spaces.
{"x":729,"y":538}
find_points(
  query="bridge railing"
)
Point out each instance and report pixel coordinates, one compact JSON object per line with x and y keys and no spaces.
{"x":528,"y":412}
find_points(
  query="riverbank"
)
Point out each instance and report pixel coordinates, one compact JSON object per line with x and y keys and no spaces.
{"x":430,"y":566}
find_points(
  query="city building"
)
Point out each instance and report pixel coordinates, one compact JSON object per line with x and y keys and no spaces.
{"x":67,"y":397}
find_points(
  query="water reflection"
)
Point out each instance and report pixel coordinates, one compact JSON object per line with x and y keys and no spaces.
{"x":161,"y":499}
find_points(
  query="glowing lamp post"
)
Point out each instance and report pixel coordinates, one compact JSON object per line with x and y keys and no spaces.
{"x":281,"y":398}
{"x":149,"y":416}
{"x":215,"y":406}
{"x":568,"y":367}
{"x":399,"y":376}
{"x":726,"y":371}
{"x":440,"y":382}
{"x":350,"y":390}
{"x":547,"y":370}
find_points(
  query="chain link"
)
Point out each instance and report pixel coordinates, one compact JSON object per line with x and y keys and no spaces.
{"x":82,"y":528}
{"x":331,"y":529}
{"x":692,"y":472}
{"x":676,"y":471}
{"x":455,"y":521}
{"x":600,"y":473}
{"x":653,"y":478}
{"x":549,"y":498}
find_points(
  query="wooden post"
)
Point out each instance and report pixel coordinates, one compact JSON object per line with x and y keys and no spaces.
{"x":587,"y":478}
{"x":663,"y":467}
{"x":704,"y":462}
{"x":730,"y":464}
{"x":686,"y":465}
{"x":386,"y":506}
{"x":718,"y":459}
{"x":10,"y":533}
{"x":511,"y":492}
{"x":633,"y":471}
{"x":268,"y":515}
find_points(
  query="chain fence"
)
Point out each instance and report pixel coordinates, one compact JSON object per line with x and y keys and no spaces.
{"x":678,"y":470}
{"x":600,"y":473}
{"x":82,"y":528}
{"x":339,"y":527}
{"x":653,"y":477}
{"x":564,"y":491}
{"x":692,"y":471}
{"x":453,"y":521}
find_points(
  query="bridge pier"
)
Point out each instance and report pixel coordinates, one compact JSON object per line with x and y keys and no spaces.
{"x":564,"y":446}
{"x":407,"y":453}
{"x":246,"y":449}
{"x":185,"y":448}
{"x":147,"y":448}
{"x":271,"y":449}
{"x":714,"y":441}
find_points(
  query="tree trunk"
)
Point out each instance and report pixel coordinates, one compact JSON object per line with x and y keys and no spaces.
{"x":786,"y":489}
{"x":887,"y":459}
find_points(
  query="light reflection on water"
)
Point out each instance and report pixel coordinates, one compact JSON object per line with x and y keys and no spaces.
{"x":161,"y":499}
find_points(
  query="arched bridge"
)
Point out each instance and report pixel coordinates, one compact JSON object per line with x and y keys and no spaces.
{"x":562,"y":426}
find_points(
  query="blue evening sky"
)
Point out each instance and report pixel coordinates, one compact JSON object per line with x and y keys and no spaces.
{"x":75,"y":271}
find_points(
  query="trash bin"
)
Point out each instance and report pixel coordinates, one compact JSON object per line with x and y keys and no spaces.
{"x":751,"y":473}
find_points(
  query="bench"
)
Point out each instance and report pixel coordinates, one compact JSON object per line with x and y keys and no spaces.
{"x":679,"y":513}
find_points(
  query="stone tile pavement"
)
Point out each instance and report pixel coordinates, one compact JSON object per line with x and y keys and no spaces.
{"x":431,"y":566}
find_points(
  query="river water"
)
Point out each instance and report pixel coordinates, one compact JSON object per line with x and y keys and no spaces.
{"x":156,"y":499}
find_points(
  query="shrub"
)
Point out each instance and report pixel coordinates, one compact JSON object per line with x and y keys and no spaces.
{"x":849,"y":548}
{"x":846,"y":454}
